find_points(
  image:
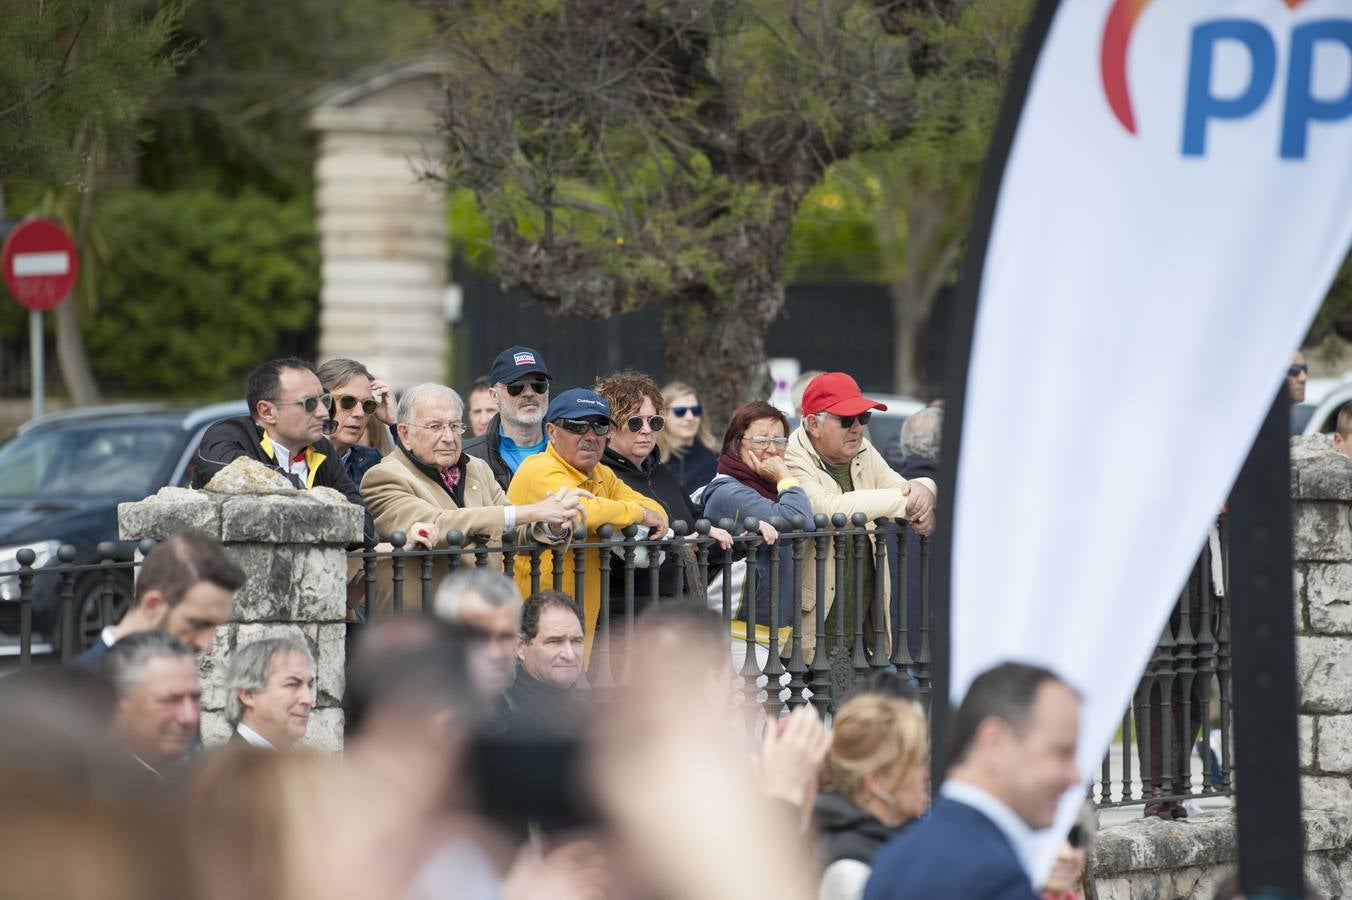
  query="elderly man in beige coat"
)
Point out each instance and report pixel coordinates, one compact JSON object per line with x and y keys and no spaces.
{"x":428,"y":486}
{"x":843,"y":473}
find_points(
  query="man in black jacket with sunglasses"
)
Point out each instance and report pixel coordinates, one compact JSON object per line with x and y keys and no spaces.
{"x":288,"y":415}
{"x":520,"y":384}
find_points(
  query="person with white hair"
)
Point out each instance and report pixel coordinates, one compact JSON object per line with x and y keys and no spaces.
{"x":430,"y":486}
{"x":487,"y":604}
{"x":270,"y":692}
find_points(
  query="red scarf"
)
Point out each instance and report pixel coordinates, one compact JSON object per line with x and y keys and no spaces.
{"x":732,"y":466}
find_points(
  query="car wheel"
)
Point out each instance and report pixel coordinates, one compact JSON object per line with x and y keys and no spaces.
{"x":91,"y":615}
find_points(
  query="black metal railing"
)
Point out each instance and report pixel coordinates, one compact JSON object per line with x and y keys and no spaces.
{"x":1188,"y":674}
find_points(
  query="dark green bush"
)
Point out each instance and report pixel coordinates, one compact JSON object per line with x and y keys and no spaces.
{"x":196,"y":288}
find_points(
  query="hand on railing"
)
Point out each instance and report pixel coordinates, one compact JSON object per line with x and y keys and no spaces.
{"x":768,"y":532}
{"x":721,"y":535}
{"x":920,"y":507}
{"x":422,"y":534}
{"x":563,"y":507}
{"x":654,"y":520}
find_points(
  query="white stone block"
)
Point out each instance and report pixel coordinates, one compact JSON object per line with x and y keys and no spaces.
{"x":1324,"y":674}
{"x":215,"y":729}
{"x":1326,"y":792}
{"x":1335,"y":745}
{"x":1308,"y":730}
{"x":325,"y":732}
{"x":1328,"y":597}
{"x":331,"y":660}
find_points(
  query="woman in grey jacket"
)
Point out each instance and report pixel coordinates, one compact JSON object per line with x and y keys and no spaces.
{"x":753,"y":480}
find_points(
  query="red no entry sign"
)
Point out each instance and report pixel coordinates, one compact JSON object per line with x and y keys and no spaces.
{"x":40,"y":263}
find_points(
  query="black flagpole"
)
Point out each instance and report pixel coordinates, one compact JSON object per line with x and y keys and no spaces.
{"x":1263,"y":643}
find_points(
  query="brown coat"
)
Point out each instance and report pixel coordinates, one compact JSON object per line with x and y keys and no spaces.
{"x":398,"y":494}
{"x":877,"y":494}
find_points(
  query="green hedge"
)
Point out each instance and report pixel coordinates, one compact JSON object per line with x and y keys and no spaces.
{"x":196,"y":288}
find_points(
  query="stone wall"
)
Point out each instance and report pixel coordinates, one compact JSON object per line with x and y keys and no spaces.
{"x":1152,"y":859}
{"x":1321,"y":482}
{"x":292,"y":545}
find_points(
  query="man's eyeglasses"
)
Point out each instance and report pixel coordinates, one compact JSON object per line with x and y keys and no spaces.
{"x":538,"y":385}
{"x":438,"y":427}
{"x":1298,"y":369}
{"x":580,"y":426}
{"x":681,"y":412}
{"x":347,"y":401}
{"x":635,"y":423}
{"x":760,"y":441}
{"x":309,"y":404}
{"x":848,"y":421}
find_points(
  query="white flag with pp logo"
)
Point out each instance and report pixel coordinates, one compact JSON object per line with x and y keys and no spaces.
{"x":1175,"y":202}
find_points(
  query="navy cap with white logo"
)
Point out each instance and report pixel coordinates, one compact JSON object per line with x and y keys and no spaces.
{"x":516,"y":363}
{"x":578,"y":403}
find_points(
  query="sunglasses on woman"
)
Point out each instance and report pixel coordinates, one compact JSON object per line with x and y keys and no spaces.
{"x":347,"y":401}
{"x":538,"y":385}
{"x":580,"y":426}
{"x":635,"y":423}
{"x":681,"y":412}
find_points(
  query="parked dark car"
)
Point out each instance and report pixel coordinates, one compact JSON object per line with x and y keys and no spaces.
{"x":61,"y":479}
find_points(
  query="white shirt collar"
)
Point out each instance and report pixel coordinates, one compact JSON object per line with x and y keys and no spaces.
{"x":254,"y":737}
{"x":1015,"y":830}
{"x":283,"y":455}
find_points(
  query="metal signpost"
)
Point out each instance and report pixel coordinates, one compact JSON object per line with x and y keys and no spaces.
{"x":40,"y":266}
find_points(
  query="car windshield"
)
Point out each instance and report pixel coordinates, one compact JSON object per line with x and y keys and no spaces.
{"x":91,"y":461}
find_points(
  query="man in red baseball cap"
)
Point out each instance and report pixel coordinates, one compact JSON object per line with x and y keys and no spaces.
{"x":841,"y":472}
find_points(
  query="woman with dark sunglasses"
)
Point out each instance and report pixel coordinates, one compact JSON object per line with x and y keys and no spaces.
{"x":363,"y":408}
{"x":688,"y":450}
{"x":632,"y":454}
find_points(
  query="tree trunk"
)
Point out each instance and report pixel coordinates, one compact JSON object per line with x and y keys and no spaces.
{"x":910,"y":327}
{"x":718,"y":346}
{"x":70,"y":353}
{"x":70,"y":348}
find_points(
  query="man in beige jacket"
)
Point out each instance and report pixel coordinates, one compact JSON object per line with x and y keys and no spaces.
{"x":428,"y":486}
{"x":843,"y":473}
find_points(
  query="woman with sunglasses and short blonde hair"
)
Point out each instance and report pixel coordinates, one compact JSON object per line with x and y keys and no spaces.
{"x":363,"y":408}
{"x":633,"y":456}
{"x":688,"y":450}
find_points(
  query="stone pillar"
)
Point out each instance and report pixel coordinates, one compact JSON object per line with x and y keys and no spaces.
{"x":292,"y":545}
{"x":382,"y":227}
{"x":1321,"y":490}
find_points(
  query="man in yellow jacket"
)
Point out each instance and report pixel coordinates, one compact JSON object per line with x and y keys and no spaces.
{"x":578,"y":425}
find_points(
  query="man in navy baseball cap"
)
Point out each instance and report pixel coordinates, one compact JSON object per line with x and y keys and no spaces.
{"x":579,"y":423}
{"x":519,"y":382}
